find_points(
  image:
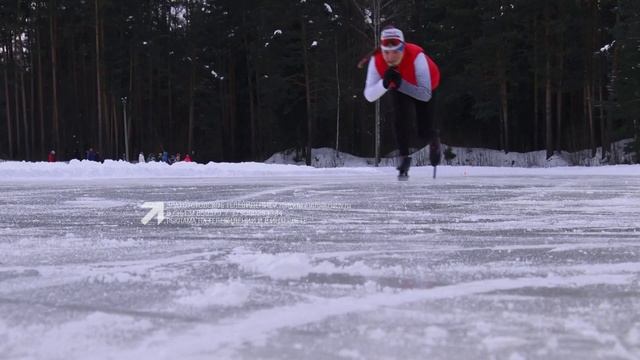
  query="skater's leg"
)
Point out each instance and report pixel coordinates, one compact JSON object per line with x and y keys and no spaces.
{"x":400,"y":110}
{"x":426,"y":119}
{"x":402,"y":113}
{"x":428,"y":130}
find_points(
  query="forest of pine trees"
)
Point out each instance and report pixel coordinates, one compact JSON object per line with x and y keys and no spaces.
{"x":239,"y":80}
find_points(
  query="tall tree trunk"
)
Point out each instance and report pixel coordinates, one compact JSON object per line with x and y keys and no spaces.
{"x":259,"y":119}
{"x":233,"y":105}
{"x":500,"y":129}
{"x":15,"y":53}
{"x":548,"y":115}
{"x":589,"y":115}
{"x":137,"y":107}
{"x":252,"y":106}
{"x":150,"y":138}
{"x":25,"y":119}
{"x":108,"y":145}
{"x":32,"y":100}
{"x":16,"y":98}
{"x":224,"y":114}
{"x":116,"y":131}
{"x":504,"y":106}
{"x":307,"y":86}
{"x":591,"y":41}
{"x":251,"y":91}
{"x":127,"y":124}
{"x":43,"y":149}
{"x":169,"y":125}
{"x":559,"y":86}
{"x":611,"y":93}
{"x":536,"y":86}
{"x":77,"y":94}
{"x":98,"y":77}
{"x":604,"y":129}
{"x":191,"y":104}
{"x":337,"y":95}
{"x":7,"y":102}
{"x":107,"y":126}
{"x":54,"y":80}
{"x":559,"y":120}
{"x":87,"y":90}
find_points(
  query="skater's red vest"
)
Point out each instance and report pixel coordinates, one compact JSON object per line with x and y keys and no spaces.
{"x":407,"y":68}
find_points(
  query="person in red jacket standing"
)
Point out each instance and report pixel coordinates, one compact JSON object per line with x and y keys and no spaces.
{"x":52,"y":156}
{"x":409,"y":76}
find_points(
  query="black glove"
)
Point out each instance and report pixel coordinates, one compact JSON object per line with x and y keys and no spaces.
{"x":392,"y":79}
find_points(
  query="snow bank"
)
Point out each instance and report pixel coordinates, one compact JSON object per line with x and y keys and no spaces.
{"x":484,"y":157}
{"x":325,"y":166}
{"x":328,"y":158}
{"x":13,"y":170}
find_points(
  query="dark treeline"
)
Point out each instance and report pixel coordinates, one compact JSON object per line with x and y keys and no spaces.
{"x":242,"y":79}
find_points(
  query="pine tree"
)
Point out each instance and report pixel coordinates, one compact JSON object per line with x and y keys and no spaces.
{"x":626,"y":71}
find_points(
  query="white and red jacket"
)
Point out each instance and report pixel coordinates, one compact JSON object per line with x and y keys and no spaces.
{"x":420,"y":75}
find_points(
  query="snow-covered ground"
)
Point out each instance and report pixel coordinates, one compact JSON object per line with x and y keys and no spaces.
{"x":285,"y":262}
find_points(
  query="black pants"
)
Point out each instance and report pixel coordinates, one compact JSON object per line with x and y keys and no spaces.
{"x":405,"y":111}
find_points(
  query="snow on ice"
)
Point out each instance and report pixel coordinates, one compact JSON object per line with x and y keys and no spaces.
{"x":279,"y":261}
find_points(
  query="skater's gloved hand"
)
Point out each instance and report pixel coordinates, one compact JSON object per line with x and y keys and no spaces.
{"x":391,"y":79}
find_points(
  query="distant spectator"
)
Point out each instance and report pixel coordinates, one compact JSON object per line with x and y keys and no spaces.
{"x":151,"y":158}
{"x":187,"y":158}
{"x":52,"y":156}
{"x":165,"y":157}
{"x":91,"y":155}
{"x":178,"y":157}
{"x":141,"y":158}
{"x":159,"y":158}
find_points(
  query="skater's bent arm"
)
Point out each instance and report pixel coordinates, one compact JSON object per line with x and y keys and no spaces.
{"x":421,"y":91}
{"x":373,"y":89}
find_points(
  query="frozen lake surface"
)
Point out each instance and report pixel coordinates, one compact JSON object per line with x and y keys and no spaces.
{"x":320,"y":266}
